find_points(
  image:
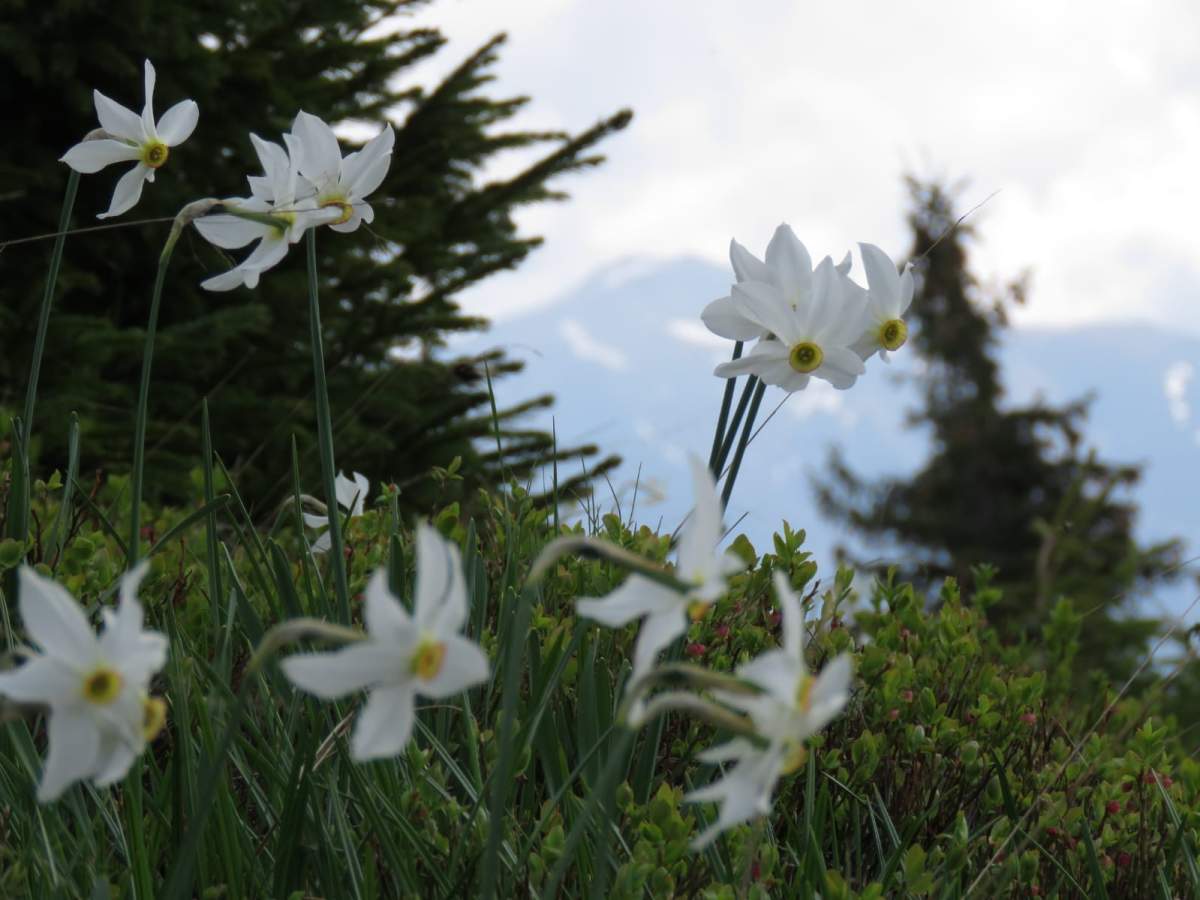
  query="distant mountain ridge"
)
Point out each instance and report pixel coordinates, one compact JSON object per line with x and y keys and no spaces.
{"x":631,"y":366}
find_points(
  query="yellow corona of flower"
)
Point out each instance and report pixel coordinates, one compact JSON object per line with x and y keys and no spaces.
{"x":889,"y":295}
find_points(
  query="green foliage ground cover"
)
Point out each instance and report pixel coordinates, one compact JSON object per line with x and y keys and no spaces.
{"x":962,"y":765}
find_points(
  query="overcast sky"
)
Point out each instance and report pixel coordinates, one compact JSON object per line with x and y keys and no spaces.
{"x":1085,"y":118}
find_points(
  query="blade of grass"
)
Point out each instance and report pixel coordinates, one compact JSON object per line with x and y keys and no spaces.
{"x":102,"y":519}
{"x":210,"y":529}
{"x":284,"y":583}
{"x":291,"y":824}
{"x":1097,"y":892}
{"x":552,"y":806}
{"x":207,"y":511}
{"x":63,"y":521}
{"x":179,"y":880}
{"x":603,"y":792}
{"x":1189,"y":856}
{"x":17,"y":523}
{"x":135,"y":821}
{"x":498,"y":804}
{"x":248,"y":537}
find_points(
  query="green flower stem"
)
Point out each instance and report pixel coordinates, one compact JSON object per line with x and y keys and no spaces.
{"x":269,"y":219}
{"x":183,"y":218}
{"x":325,"y":433}
{"x":597,"y":548}
{"x":686,"y":675}
{"x":39,"y":343}
{"x":727,"y":492}
{"x":697,"y":707}
{"x":296,"y":630}
{"x":18,"y":505}
{"x":730,"y":435}
{"x":723,"y":418}
{"x":139,"y":427}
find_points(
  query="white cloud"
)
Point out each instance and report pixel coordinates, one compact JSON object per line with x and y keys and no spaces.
{"x":1175,"y":386}
{"x":663,"y":446}
{"x":693,"y":332}
{"x":820,"y":398}
{"x":624,"y":271}
{"x":408,"y":351}
{"x":585,"y":346}
{"x":1087,"y":123}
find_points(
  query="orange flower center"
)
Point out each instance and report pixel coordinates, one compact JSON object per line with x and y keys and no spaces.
{"x":345,"y":206}
{"x":427,"y":661}
{"x":804,"y":691}
{"x":155,"y":154}
{"x":892,"y":334}
{"x":805,"y":357}
{"x":794,"y":759}
{"x":102,"y":686}
{"x":154,"y":717}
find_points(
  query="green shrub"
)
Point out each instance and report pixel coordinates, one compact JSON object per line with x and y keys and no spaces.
{"x":960,"y":762}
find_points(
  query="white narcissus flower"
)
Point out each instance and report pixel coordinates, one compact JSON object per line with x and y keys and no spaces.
{"x":723,"y":317}
{"x":342,"y":183}
{"x":793,"y":706}
{"x":666,"y":612}
{"x":402,"y":656}
{"x":351,"y":496}
{"x":813,"y":319}
{"x":128,"y":137}
{"x":745,"y":791}
{"x":101,"y":716}
{"x":795,"y":703}
{"x":279,"y":193}
{"x":889,"y":295}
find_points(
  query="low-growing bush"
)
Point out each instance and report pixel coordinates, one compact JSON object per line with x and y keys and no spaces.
{"x":959,"y":766}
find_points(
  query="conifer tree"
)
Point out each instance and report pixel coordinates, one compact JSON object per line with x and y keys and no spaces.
{"x":1012,"y":487}
{"x":401,"y":405}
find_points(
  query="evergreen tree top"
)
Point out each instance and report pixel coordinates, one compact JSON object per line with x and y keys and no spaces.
{"x":1013,"y":487}
{"x":392,"y":287}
